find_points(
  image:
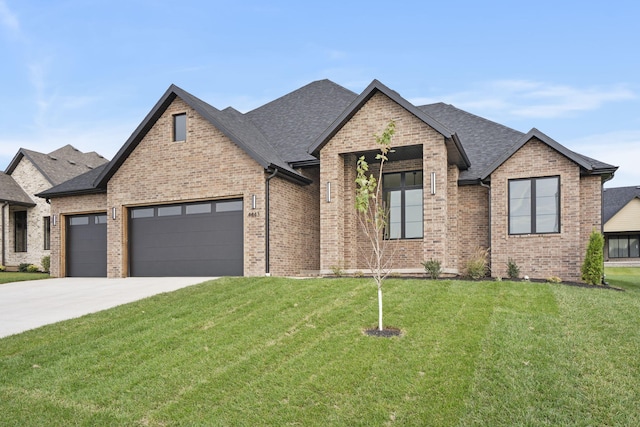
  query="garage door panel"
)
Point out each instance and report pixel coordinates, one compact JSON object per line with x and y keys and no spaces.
{"x":87,"y":246}
{"x":202,"y":244}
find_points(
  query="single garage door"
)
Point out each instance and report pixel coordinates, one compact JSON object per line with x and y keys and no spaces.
{"x":193,"y":239}
{"x":87,"y":245}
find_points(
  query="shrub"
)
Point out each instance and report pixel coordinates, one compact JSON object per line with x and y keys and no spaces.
{"x":46,"y":263}
{"x":477,"y":266}
{"x":337,"y":270}
{"x":554,"y":279}
{"x":358,"y":274}
{"x":513,"y":271}
{"x":22,"y":268}
{"x":593,"y":267}
{"x":2,"y":268}
{"x":433,"y":268}
{"x":31,"y":268}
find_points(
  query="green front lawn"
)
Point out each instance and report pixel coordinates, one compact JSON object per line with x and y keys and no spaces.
{"x":271,"y":351}
{"x":8,"y":277}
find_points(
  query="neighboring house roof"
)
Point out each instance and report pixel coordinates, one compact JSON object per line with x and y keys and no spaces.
{"x":59,"y":165}
{"x":455,"y":150}
{"x":614,"y":199}
{"x":12,"y":193}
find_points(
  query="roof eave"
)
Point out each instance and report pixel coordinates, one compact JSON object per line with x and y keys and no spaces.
{"x":17,"y":203}
{"x":289,"y":175}
{"x":83,"y":192}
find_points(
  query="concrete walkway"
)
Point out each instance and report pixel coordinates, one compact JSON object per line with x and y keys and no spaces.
{"x":31,"y":304}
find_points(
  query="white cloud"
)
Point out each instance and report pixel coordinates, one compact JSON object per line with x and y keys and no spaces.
{"x":619,"y":148}
{"x":532,"y":99}
{"x":8,"y":19}
{"x":104,"y":138}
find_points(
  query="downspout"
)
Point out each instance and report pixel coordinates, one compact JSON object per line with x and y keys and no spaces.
{"x":488,"y":187}
{"x":3,"y":233}
{"x":266,"y":221}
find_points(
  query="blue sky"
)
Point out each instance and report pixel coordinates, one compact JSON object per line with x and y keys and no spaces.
{"x":87,"y":72}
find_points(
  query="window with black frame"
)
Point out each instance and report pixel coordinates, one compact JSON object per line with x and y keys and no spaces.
{"x":534,"y":205}
{"x":624,"y":246}
{"x":180,"y":127}
{"x":46,"y":225}
{"x":20,"y":229}
{"x":403,"y":201}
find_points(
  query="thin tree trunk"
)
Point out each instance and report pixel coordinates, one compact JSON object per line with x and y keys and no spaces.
{"x":380,"y":327}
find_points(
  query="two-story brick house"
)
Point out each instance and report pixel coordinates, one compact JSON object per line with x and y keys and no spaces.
{"x":201,"y":191}
{"x":26,"y":219}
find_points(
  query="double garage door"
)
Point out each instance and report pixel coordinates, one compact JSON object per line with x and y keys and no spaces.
{"x":193,"y":239}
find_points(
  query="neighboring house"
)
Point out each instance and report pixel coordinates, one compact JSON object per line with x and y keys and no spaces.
{"x":621,"y":217}
{"x":25,"y":219}
{"x":201,"y":191}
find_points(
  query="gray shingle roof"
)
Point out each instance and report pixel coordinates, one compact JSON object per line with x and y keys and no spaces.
{"x":11,"y":192}
{"x":488,"y":144}
{"x":482,"y":139}
{"x":293,"y":121}
{"x":291,"y":129}
{"x":614,"y":199}
{"x":81,"y":184}
{"x":59,"y":165}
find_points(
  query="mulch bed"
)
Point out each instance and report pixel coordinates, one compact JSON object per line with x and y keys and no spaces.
{"x":385,"y":333}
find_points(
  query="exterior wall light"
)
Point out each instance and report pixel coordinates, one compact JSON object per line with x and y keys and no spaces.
{"x":54,"y":220}
{"x":433,"y":183}
{"x":113,"y":212}
{"x":328,"y":192}
{"x":253,"y":201}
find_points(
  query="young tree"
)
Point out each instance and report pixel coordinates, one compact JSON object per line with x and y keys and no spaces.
{"x":372,"y":212}
{"x":593,"y":267}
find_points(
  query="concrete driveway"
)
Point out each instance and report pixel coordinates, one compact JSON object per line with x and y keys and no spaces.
{"x":31,"y":304}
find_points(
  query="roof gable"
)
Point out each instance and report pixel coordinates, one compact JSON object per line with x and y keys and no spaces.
{"x":230,"y":122}
{"x":454,"y":147}
{"x":614,"y":199}
{"x":586,"y":164}
{"x":626,"y":219}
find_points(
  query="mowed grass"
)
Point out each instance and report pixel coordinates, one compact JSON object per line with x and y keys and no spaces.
{"x":272,"y":351}
{"x":8,"y":277}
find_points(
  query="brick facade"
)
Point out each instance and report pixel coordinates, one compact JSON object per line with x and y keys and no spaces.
{"x":473,"y":221}
{"x":340,"y":241}
{"x":32,"y":182}
{"x":310,"y":233}
{"x":544,"y":255}
{"x":294,"y":225}
{"x":206,"y":166}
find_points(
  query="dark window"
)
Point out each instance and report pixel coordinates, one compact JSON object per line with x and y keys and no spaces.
{"x":47,"y":232}
{"x":624,"y":246}
{"x":180,"y":127}
{"x":20,"y":231}
{"x":403,"y":200}
{"x":534,"y":206}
